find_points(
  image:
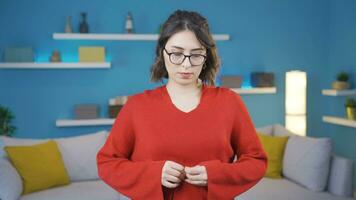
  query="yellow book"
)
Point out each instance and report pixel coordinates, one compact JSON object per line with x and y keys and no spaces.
{"x":91,"y":54}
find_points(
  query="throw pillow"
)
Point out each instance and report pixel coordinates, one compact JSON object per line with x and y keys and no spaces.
{"x":40,"y":166}
{"x":306,"y":161}
{"x":11,"y":141}
{"x":78,"y":152}
{"x":79,"y":155}
{"x":279,"y":130}
{"x":266,"y":130}
{"x":274,"y":147}
{"x":10,"y":181}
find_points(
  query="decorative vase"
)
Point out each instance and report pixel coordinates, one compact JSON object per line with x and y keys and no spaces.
{"x":340,"y":85}
{"x":83,"y":26}
{"x":129,"y":23}
{"x":68,"y":27}
{"x":351,"y":112}
{"x":56,"y":56}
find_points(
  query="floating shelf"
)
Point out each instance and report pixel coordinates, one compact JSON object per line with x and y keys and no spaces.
{"x":60,"y":65}
{"x":104,"y":36}
{"x":84,"y":122}
{"x":267,"y":90}
{"x":339,"y":121}
{"x":330,"y":92}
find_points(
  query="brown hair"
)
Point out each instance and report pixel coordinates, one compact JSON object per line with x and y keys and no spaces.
{"x":185,"y":20}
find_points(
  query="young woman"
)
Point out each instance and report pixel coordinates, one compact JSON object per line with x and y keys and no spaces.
{"x":179,"y":141}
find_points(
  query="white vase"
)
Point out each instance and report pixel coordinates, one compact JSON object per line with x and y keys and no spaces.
{"x":68,"y":27}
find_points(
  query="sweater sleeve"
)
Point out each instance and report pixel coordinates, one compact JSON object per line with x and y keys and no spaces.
{"x":228,"y":180}
{"x":134,"y":179}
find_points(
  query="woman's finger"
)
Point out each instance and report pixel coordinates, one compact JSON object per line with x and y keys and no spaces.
{"x":171,"y":178}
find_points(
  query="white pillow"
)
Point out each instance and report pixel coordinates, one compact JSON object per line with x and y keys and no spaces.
{"x":267,"y":130}
{"x":10,"y":181}
{"x":9,"y":141}
{"x":279,"y":130}
{"x":306,"y":161}
{"x":79,"y":155}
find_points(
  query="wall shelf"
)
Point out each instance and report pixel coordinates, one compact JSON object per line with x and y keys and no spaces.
{"x":339,"y":121}
{"x":84,"y":122}
{"x":105,"y":36}
{"x":60,"y":65}
{"x":330,"y":92}
{"x":267,"y":90}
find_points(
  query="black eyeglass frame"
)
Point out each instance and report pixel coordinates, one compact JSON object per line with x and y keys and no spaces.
{"x":185,"y":56}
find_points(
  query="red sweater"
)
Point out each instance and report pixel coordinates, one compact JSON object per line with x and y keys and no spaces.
{"x":150,"y":130}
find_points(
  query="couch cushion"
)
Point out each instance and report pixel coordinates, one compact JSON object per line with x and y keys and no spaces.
{"x":274,"y":147}
{"x":279,"y":130}
{"x":267,"y":130}
{"x":306,"y":161}
{"x":273,"y":189}
{"x":40,"y":166}
{"x":88,"y":190}
{"x":78,"y":152}
{"x":9,"y":141}
{"x":79,"y":155}
{"x":10,"y":181}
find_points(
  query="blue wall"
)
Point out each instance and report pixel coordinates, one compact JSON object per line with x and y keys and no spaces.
{"x":276,"y":36}
{"x":342,"y":49}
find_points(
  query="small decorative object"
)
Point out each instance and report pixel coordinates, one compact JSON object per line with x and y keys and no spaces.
{"x":56,"y":56}
{"x":86,"y":111}
{"x":129,"y":23}
{"x":262,"y":79}
{"x":350,"y":106}
{"x":231,"y":81}
{"x":341,"y":82}
{"x":116,"y":104}
{"x":5,"y":122}
{"x":18,"y":54}
{"x":83,"y":26}
{"x":68,"y":27}
{"x":92,"y":54}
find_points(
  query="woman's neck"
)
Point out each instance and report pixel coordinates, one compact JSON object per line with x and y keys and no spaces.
{"x":183,"y":90}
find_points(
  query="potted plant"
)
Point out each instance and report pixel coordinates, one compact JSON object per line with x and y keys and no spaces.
{"x":341,"y":82}
{"x":5,"y":122}
{"x":350,"y":106}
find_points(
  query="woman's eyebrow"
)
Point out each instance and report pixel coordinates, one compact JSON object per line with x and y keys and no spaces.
{"x":195,"y":49}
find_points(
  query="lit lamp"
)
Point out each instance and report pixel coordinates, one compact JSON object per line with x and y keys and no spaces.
{"x":296,"y":97}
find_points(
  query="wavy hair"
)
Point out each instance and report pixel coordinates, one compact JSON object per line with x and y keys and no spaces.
{"x":182,"y":20}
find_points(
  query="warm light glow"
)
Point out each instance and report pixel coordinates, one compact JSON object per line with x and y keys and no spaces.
{"x":297,"y":124}
{"x":296,"y":97}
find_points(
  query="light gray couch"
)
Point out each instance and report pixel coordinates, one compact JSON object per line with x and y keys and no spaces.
{"x":315,"y":173}
{"x":79,"y":156}
{"x":86,"y":185}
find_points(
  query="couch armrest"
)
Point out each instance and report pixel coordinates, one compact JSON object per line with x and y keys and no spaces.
{"x":10,"y":181}
{"x":340,"y":178}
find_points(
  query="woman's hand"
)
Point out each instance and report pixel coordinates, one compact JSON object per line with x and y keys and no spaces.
{"x":196,"y":175}
{"x":172,"y":174}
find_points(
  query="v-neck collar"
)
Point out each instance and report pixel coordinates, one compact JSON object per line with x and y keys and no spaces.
{"x":168,"y":99}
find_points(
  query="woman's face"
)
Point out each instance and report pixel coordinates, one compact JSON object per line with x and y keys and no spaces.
{"x":184,"y":42}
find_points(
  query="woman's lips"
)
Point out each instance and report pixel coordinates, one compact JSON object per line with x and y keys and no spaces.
{"x":185,"y":75}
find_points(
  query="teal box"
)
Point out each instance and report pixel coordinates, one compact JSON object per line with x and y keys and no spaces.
{"x":18,"y":54}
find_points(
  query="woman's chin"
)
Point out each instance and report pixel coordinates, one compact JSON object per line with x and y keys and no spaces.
{"x":185,"y":81}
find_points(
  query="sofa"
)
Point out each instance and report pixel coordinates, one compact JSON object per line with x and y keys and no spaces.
{"x":79,"y":154}
{"x":79,"y":157}
{"x":310,"y":171}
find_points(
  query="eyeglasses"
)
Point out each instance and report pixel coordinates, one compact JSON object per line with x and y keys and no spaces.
{"x":178,"y":58}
